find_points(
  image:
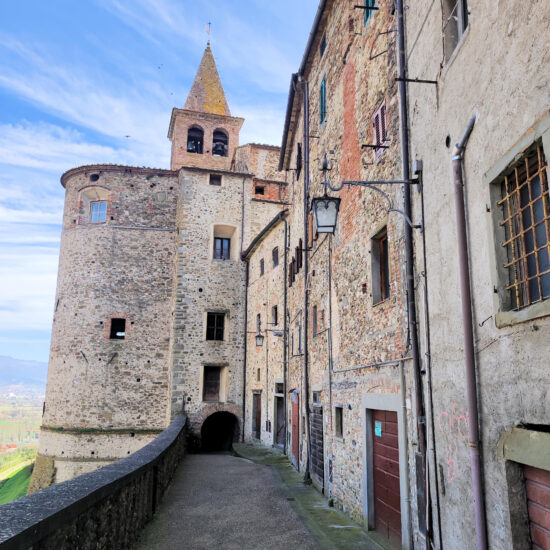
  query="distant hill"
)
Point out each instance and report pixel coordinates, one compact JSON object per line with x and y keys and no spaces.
{"x":17,"y":372}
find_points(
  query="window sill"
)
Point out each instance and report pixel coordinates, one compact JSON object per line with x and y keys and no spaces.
{"x":380,"y":302}
{"x":454,"y":55}
{"x":534,"y":311}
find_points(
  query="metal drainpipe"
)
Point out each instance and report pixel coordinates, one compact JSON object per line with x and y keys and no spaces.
{"x":403,"y":383}
{"x":466,"y":294}
{"x":285,"y":336}
{"x":245,"y":344}
{"x":305,"y":95}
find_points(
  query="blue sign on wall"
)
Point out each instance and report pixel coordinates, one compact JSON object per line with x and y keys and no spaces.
{"x":378,"y":428}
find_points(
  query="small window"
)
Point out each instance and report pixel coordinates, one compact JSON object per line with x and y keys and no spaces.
{"x":262,"y":267}
{"x":298,"y":161}
{"x":98,"y":211}
{"x":211,"y":384}
{"x":290,"y":273}
{"x":316,"y":397}
{"x":279,"y":387}
{"x":220,"y":143}
{"x":215,"y":179}
{"x":525,"y":220}
{"x":259,"y":190}
{"x":258,"y":323}
{"x":368,"y":4}
{"x":455,"y":23}
{"x":222,"y":248}
{"x":300,"y":338}
{"x":274,"y":315}
{"x":314,"y":320}
{"x":380,"y":129}
{"x":323,"y":45}
{"x":214,"y":326}
{"x":118,"y":329}
{"x":339,"y":421}
{"x":258,"y":375}
{"x":380,"y":267}
{"x":195,"y":140}
{"x":299,"y":255}
{"x":275,"y":256}
{"x":323,"y":100}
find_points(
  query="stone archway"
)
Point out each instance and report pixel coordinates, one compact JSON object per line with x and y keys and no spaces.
{"x":219,"y":431}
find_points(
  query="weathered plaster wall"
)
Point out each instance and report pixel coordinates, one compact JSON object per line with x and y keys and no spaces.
{"x":500,"y":73}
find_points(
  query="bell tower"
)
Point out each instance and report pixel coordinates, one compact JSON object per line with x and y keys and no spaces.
{"x":203,"y":133}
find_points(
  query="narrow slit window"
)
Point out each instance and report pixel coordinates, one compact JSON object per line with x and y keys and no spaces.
{"x":323,"y":100}
{"x":275,"y":256}
{"x":338,"y":421}
{"x":380,"y":267}
{"x":274,"y":315}
{"x":118,"y":329}
{"x":214,"y":325}
{"x":314,"y":326}
{"x":262,"y":267}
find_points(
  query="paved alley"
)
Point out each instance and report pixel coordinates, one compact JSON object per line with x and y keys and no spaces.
{"x":223,"y":501}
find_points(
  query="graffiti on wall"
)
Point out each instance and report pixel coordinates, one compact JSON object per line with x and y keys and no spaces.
{"x":454,"y":427}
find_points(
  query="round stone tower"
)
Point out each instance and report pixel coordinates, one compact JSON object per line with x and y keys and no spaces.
{"x":108,"y":377}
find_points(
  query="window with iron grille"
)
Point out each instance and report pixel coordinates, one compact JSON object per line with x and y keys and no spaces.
{"x":214,"y":326}
{"x":222,"y":248}
{"x":525,"y":210}
{"x":455,"y":23}
{"x":323,"y":100}
{"x":380,"y":129}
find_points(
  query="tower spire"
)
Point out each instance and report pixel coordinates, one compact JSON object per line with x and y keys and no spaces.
{"x":207,"y":95}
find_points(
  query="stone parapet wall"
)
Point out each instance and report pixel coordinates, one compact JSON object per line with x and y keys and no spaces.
{"x":102,"y":509}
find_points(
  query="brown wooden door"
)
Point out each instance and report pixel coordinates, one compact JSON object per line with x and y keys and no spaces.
{"x":280,"y":427}
{"x":317,"y":448}
{"x":256,"y":415}
{"x":537,"y":487}
{"x":296,"y":430}
{"x":387,"y":501}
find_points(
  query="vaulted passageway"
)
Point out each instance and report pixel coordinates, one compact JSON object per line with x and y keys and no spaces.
{"x":219,"y":431}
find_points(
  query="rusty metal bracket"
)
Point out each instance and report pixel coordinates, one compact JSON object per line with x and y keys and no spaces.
{"x":416,"y":80}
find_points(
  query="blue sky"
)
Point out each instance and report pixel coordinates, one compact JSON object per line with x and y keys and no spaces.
{"x":76,"y":78}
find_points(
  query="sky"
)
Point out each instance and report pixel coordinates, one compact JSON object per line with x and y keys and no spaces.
{"x":94,"y":81}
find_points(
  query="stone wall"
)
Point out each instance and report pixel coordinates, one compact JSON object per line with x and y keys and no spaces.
{"x":499,"y":73}
{"x":99,"y":510}
{"x":121,"y":268}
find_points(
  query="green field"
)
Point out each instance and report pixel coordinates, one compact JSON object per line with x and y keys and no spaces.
{"x":16,"y":485}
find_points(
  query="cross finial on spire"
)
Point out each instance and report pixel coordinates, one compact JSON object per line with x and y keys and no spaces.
{"x":208,"y":29}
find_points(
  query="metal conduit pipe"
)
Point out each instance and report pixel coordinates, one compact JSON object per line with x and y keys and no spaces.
{"x":420,"y":415}
{"x":474,"y":438}
{"x":285,"y":335}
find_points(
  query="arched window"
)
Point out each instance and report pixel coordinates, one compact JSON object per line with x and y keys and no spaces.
{"x":220,"y":143}
{"x":195,"y":140}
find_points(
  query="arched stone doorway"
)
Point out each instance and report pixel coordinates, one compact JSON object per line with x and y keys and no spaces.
{"x":218,"y":432}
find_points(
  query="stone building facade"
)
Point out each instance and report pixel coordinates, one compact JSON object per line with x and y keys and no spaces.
{"x":149,"y":316}
{"x":209,"y":287}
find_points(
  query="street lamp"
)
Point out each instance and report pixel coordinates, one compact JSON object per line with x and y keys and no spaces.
{"x":326,"y":208}
{"x":259,"y":339}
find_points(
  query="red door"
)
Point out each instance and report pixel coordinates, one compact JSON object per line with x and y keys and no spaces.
{"x":387,"y":501}
{"x":296,"y":430}
{"x":537,"y":487}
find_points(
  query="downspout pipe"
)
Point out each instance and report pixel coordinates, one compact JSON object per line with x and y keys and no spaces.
{"x":245,"y":343}
{"x":305,"y":94}
{"x":474,"y":438}
{"x":285,"y":334}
